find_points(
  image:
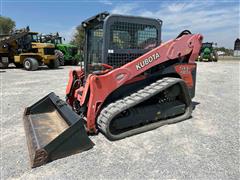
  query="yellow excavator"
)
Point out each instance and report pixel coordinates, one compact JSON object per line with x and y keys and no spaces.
{"x":22,"y":48}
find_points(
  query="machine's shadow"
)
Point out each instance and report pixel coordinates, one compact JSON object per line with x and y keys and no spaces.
{"x":44,"y":68}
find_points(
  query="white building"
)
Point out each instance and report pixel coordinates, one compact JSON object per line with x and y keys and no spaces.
{"x":220,"y":53}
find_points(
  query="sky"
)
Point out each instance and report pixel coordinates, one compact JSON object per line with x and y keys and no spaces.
{"x":217,"y":20}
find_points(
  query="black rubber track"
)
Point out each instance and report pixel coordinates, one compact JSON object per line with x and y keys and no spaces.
{"x":112,"y":110}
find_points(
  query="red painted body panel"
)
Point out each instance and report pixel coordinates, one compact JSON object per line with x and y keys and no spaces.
{"x":79,"y":74}
{"x":185,"y":72}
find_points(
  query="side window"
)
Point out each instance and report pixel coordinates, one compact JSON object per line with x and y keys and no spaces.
{"x":29,"y":38}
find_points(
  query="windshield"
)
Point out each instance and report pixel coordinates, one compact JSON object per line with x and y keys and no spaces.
{"x":34,"y":37}
{"x":207,"y":45}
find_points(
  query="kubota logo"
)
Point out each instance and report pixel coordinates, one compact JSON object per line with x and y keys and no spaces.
{"x":185,"y":70}
{"x":147,"y":61}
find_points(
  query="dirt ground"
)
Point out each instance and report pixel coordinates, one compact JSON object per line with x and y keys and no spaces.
{"x":203,"y":147}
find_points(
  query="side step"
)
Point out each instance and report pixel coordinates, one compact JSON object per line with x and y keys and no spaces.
{"x":53,"y":131}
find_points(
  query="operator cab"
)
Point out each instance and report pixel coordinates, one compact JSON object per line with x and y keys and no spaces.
{"x":24,"y":42}
{"x":32,"y":36}
{"x":56,"y":40}
{"x":207,"y":45}
{"x":116,"y":39}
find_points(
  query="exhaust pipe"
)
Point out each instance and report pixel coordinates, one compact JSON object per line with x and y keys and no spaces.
{"x":53,"y":130}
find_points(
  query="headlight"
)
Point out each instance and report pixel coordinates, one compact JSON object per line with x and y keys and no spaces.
{"x":5,"y":46}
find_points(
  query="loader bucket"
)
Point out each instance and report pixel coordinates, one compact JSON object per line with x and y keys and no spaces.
{"x":53,"y":131}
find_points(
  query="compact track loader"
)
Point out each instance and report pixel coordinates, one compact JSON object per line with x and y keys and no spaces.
{"x":130,"y":83}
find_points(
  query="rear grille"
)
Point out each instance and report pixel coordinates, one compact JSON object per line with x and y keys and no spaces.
{"x":117,"y":60}
{"x":49,"y":51}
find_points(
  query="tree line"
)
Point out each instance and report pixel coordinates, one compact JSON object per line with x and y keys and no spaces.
{"x":228,"y":52}
{"x":6,"y":25}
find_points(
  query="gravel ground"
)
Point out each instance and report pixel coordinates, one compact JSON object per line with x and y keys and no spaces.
{"x":203,"y":147}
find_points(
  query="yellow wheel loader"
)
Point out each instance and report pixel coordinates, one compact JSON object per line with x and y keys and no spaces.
{"x":23,"y":49}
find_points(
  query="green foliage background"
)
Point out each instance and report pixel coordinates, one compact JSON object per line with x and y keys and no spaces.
{"x":78,"y":38}
{"x":6,"y":25}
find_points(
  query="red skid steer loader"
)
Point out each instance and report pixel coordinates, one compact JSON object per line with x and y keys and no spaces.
{"x":130,"y":83}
